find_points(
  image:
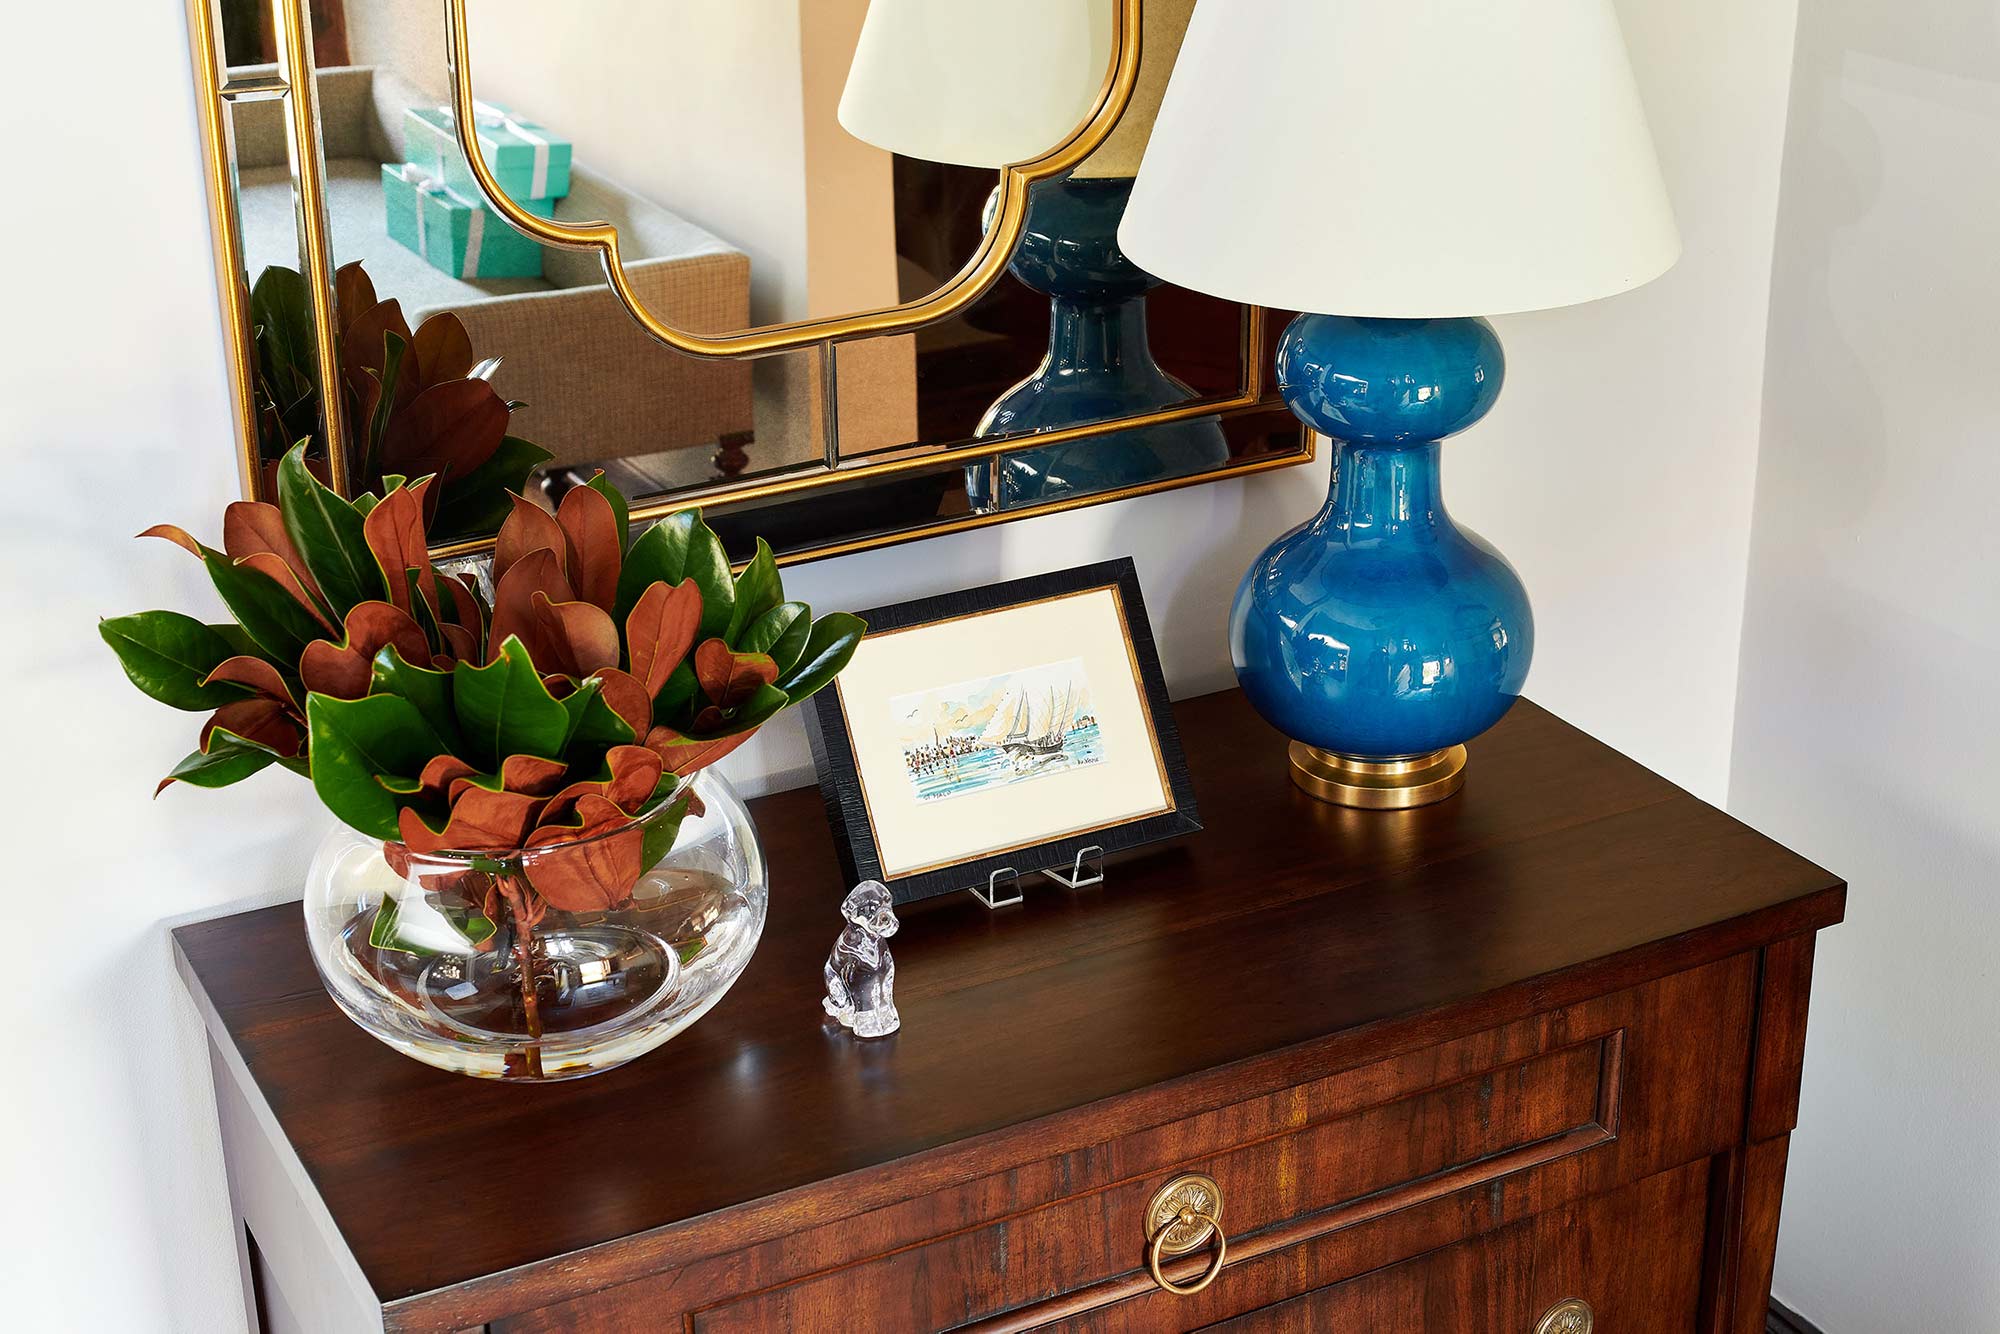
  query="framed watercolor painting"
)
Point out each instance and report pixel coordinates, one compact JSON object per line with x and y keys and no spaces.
{"x":1011,"y":727}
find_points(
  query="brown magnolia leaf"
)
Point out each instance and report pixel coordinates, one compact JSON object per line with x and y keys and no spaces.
{"x":443,"y":350}
{"x":539,"y":571}
{"x":583,"y":639}
{"x":394,"y":531}
{"x":480,"y":821}
{"x":252,"y":526}
{"x":449,"y":429}
{"x":660,"y":629}
{"x":345,"y":670}
{"x":353,"y":294}
{"x":710,"y":718}
{"x":588,"y":869}
{"x":592,"y":548}
{"x":264,"y":721}
{"x":627,"y":697}
{"x":258,"y":675}
{"x":635,"y":773}
{"x":528,"y":527}
{"x":683,"y":754}
{"x":467,"y":607}
{"x":440,"y":774}
{"x":531,"y":774}
{"x":273,"y":567}
{"x":177,"y":535}
{"x":728,"y":677}
{"x":364,"y":349}
{"x":461,"y":645}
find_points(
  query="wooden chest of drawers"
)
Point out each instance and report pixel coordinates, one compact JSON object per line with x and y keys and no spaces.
{"x":1433,"y":1070}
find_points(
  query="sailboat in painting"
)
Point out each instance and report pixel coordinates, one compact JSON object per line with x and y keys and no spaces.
{"x":1043,"y":745}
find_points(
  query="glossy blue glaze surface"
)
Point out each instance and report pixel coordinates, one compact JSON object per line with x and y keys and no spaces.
{"x":1099,"y":365}
{"x":1380,"y":628}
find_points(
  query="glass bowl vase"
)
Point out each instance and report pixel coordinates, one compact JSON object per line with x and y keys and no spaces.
{"x":463,"y":961}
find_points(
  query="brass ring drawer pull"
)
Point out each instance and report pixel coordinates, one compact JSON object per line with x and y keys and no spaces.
{"x":1182,"y":1217}
{"x":1571,"y":1315}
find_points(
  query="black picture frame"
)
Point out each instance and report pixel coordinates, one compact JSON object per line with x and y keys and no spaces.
{"x":838,"y":768}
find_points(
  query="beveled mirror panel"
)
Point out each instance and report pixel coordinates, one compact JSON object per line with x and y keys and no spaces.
{"x":741,"y":295}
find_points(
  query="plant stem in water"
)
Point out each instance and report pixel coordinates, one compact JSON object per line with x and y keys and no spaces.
{"x":531,"y":1007}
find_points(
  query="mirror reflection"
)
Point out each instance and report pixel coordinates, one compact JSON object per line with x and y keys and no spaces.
{"x":765,"y":162}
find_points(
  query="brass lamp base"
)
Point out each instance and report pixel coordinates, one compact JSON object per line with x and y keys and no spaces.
{"x":1378,"y":785}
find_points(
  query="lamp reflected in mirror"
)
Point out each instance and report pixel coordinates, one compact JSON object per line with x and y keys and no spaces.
{"x":1099,"y":364}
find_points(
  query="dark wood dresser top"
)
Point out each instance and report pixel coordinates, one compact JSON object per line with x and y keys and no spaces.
{"x":1287,"y":936}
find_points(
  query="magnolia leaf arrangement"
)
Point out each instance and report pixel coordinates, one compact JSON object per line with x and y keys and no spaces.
{"x":421,"y":405}
{"x":567,"y":709}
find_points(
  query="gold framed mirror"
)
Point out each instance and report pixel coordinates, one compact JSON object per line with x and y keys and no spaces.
{"x":895,"y":399}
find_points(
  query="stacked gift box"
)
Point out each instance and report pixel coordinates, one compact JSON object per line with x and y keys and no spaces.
{"x":435,"y":207}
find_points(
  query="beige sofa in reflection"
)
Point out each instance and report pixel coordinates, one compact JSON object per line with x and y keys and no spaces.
{"x":596,"y":386}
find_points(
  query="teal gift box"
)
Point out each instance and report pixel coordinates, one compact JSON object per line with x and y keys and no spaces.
{"x":463,"y":237}
{"x":529,"y":161}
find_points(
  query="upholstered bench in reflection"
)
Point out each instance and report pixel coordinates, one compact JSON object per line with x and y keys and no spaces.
{"x":596,"y":386}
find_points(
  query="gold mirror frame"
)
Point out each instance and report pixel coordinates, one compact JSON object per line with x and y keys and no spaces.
{"x":294,"y":84}
{"x":988,"y":262}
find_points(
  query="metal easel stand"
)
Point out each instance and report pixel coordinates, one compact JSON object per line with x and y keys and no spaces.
{"x":1003,"y":887}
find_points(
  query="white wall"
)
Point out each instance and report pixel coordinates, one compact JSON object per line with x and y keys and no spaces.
{"x":1616,"y":470}
{"x":1613,"y":473}
{"x":1868,"y":723}
{"x":694,"y":105}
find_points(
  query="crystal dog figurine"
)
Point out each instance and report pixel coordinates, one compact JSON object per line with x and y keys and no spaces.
{"x":860,"y":975}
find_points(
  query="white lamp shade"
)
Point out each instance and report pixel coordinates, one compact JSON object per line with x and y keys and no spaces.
{"x":1402,"y":158}
{"x":980,"y":83}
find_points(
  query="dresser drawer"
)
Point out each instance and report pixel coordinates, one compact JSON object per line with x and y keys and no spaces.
{"x":1342,"y":1174}
{"x":1633,"y":1256}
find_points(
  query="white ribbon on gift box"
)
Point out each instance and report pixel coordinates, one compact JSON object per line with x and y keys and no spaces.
{"x":489,"y":117}
{"x":427,"y":184}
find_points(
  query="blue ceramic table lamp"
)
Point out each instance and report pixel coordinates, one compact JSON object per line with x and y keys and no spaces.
{"x":1398,"y":170}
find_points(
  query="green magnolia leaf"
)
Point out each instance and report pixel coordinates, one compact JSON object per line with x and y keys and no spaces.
{"x":281,"y":310}
{"x":758,"y":590}
{"x":329,"y":535}
{"x":592,"y":722}
{"x":393,"y":348}
{"x":504,"y":709}
{"x":780,"y":632}
{"x":420,"y":608}
{"x":679,"y":547}
{"x":619,"y":510}
{"x":382,"y":931}
{"x":671,"y":705}
{"x":427,"y":930}
{"x":167,"y":655}
{"x":276,"y":621}
{"x":355,"y":741}
{"x":430,"y":691}
{"x":240,"y":644}
{"x":476,"y":504}
{"x":830,"y":644}
{"x":665,"y":827}
{"x":221,"y":765}
{"x":759,"y":709}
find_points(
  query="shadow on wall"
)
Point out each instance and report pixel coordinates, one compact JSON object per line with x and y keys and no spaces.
{"x":1866,"y":718}
{"x":1833,"y":178}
